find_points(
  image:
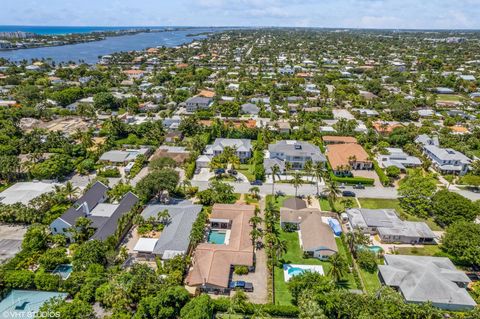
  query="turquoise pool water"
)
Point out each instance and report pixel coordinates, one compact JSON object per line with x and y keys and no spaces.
{"x":217,"y":237}
{"x":24,"y":303}
{"x":293,"y":271}
{"x":375,"y":249}
{"x":63,"y":270}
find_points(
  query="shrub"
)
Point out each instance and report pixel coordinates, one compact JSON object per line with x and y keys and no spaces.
{"x":381,"y":174}
{"x":23,"y":279}
{"x":288,"y":227}
{"x":241,"y":270}
{"x":367,"y":260}
{"x":109,"y":172}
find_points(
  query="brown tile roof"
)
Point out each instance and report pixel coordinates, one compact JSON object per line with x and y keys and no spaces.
{"x":206,"y":93}
{"x":178,"y":157}
{"x":339,"y":139}
{"x":385,"y":127}
{"x":339,"y":154}
{"x":212,"y":262}
{"x":314,"y":233}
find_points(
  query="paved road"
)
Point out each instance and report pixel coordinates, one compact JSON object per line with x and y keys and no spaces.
{"x":306,"y":189}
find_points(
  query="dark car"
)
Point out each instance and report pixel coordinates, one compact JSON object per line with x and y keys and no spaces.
{"x":257,"y":182}
{"x":247,"y":286}
{"x":232,"y":172}
{"x":219,"y":171}
{"x":359,"y":186}
{"x":348,"y":194}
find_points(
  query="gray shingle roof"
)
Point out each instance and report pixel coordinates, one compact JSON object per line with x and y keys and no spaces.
{"x":387,"y":223}
{"x":91,"y":198}
{"x":111,"y":223}
{"x":297,"y":148}
{"x":422,"y":279}
{"x":176,"y":234}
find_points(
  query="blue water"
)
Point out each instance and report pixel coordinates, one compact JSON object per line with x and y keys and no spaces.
{"x":89,"y":52}
{"x":63,"y":270}
{"x":217,"y":237}
{"x":22,"y":303}
{"x":52,"y":30}
{"x":293,"y":271}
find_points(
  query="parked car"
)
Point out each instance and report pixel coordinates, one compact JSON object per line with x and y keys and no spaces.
{"x":247,"y":286}
{"x":232,"y":172}
{"x":359,"y":186}
{"x":348,"y":194}
{"x":219,"y":171}
{"x":257,"y":182}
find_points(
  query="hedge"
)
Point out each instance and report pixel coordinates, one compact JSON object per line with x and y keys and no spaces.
{"x":289,"y":311}
{"x":381,"y":174}
{"x":349,"y":180}
{"x":352,"y":180}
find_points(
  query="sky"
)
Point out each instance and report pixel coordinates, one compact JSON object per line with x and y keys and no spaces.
{"x":393,"y":14}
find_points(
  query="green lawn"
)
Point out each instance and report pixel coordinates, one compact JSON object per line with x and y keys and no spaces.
{"x":339,"y":204}
{"x":427,"y":250}
{"x":378,"y":203}
{"x":325,"y":205}
{"x":449,"y":97}
{"x":245,"y":169}
{"x":294,"y":255}
{"x":371,"y":280}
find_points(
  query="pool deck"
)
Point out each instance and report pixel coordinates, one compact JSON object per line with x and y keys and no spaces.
{"x":312,"y":268}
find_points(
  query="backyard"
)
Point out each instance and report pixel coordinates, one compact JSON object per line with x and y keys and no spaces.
{"x":294,"y":255}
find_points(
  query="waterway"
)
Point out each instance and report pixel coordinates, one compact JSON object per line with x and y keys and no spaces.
{"x":90,"y":52}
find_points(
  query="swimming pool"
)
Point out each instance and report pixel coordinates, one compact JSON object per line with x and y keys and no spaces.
{"x":375,"y":249}
{"x":217,"y":237}
{"x":291,"y":270}
{"x":63,"y":270}
{"x":25,"y":303}
{"x":295,"y":271}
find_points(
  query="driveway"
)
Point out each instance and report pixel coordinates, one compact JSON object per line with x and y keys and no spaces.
{"x":368,"y":174}
{"x":204,"y":176}
{"x":259,"y":278}
{"x":143,"y":172}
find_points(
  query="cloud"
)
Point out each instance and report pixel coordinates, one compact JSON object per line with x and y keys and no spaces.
{"x":306,"y":13}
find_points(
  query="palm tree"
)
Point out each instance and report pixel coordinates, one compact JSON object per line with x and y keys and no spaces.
{"x":338,"y":267}
{"x":275,"y":173}
{"x":308,"y":167}
{"x":288,"y":166}
{"x":186,"y":183}
{"x":254,"y":191}
{"x":318,"y":171}
{"x":297,"y":181}
{"x":332,"y":194}
{"x":280,"y":248}
{"x":255,"y":234}
{"x":357,"y":238}
{"x":163,"y":216}
{"x":69,"y":190}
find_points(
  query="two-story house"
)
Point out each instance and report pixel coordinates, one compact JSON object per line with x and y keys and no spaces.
{"x":444,"y":160}
{"x":197,"y":103}
{"x":242,"y":147}
{"x":297,"y":153}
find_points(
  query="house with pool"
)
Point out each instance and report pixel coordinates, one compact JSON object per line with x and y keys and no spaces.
{"x":228,"y":244}
{"x":315,"y":232}
{"x":389,"y":227}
